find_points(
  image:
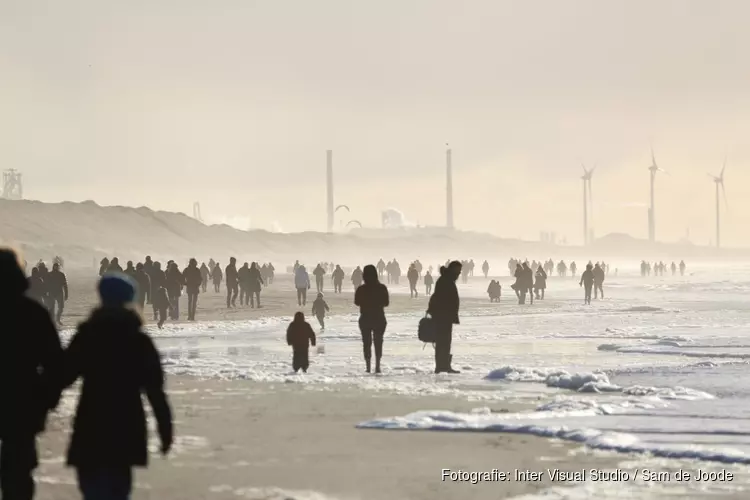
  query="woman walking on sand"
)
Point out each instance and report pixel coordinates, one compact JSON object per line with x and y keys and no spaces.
{"x":372,"y":299}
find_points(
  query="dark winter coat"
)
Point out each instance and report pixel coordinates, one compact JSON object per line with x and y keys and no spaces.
{"x":175,"y":282}
{"x":230,"y":275}
{"x":300,"y":335}
{"x":57,"y":284}
{"x":587,"y":277}
{"x":30,"y":364}
{"x":320,"y":307}
{"x":254,"y":280}
{"x":117,"y":363}
{"x":144,"y":285}
{"x":372,"y":299}
{"x":193,"y":278}
{"x":444,"y":302}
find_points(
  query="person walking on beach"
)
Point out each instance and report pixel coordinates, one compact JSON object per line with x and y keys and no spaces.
{"x":230,"y":275}
{"x":682,"y":268}
{"x":485,"y":268}
{"x":302,"y":284}
{"x":444,"y":306}
{"x":205,"y":276}
{"x":158,"y":280}
{"x":103,"y":266}
{"x":217,"y":276}
{"x":412,"y":276}
{"x":357,"y":277}
{"x":319,"y":273}
{"x":193,"y":282}
{"x":300,"y":336}
{"x":175,"y":282}
{"x":540,"y":284}
{"x":381,"y":268}
{"x":573,"y":269}
{"x":161,"y":304}
{"x":428,"y":282}
{"x":372,"y":299}
{"x":255,"y":285}
{"x":494,"y":291}
{"x":319,"y":310}
{"x":144,"y":285}
{"x":598,"y":281}
{"x":338,"y":279}
{"x":57,"y":290}
{"x":587,"y":281}
{"x":31,"y":358}
{"x":117,"y":362}
{"x":527,"y":285}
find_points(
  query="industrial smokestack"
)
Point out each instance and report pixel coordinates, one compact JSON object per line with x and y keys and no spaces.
{"x":329,"y":188}
{"x":449,"y":189}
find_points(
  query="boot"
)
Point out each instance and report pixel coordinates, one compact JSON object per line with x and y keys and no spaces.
{"x":367,"y":365}
{"x":377,"y":365}
{"x":449,"y":369}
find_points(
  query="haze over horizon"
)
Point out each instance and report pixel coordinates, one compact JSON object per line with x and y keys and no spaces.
{"x":234,"y":103}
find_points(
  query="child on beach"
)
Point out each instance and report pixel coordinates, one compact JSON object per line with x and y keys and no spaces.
{"x":319,"y":309}
{"x":300,"y":335}
{"x":161,"y":304}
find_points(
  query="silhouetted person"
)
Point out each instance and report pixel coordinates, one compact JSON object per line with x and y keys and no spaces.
{"x":428,"y":282}
{"x":300,"y":335}
{"x":148,"y":268}
{"x":527,"y":284}
{"x":357,"y":277}
{"x":418,"y":267}
{"x":114,"y":266}
{"x":103,"y":266}
{"x":243,"y":276}
{"x":37,"y":290}
{"x":158,"y":280}
{"x":562,"y":269}
{"x":372,"y":299}
{"x":540,"y":283}
{"x":319,"y":310}
{"x":598,"y":281}
{"x":302,"y":284}
{"x":587,"y":281}
{"x":471,"y":267}
{"x":118,"y":363}
{"x":144,"y":285}
{"x":57,"y":291}
{"x":255,"y":283}
{"x":485,"y":268}
{"x":205,"y":276}
{"x":175,"y":282}
{"x":396,"y":271}
{"x":412,"y":276}
{"x":230,"y":275}
{"x":161,"y":304}
{"x":682,"y":268}
{"x":319,"y":272}
{"x":444,"y":306}
{"x":30,"y":366}
{"x":573,"y":269}
{"x":338,"y":279}
{"x":271,"y":273}
{"x":193,"y":281}
{"x":494,"y":291}
{"x":381,"y":268}
{"x":674,"y":269}
{"x":217,"y":276}
{"x":517,"y":286}
{"x":129,"y":269}
{"x":296,"y":266}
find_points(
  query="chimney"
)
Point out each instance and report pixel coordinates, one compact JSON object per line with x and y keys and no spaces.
{"x":449,"y":189}
{"x":329,"y":188}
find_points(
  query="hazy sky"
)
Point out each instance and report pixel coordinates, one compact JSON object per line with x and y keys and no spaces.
{"x":233,"y":103}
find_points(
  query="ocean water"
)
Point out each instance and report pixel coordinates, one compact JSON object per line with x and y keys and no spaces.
{"x":656,"y":371}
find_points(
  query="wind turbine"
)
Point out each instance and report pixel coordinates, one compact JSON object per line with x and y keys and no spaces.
{"x":719,"y":181}
{"x":587,"y":200}
{"x":652,"y":210}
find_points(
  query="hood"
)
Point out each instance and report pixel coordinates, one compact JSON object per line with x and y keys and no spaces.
{"x":116,"y":319}
{"x":370,"y":274}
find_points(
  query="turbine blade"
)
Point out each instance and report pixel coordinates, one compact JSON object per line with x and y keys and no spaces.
{"x":586,"y":172}
{"x":724,"y":167}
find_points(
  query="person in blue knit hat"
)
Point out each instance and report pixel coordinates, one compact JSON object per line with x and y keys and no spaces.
{"x":117,"y":362}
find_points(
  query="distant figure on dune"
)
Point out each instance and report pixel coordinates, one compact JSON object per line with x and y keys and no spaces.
{"x":118,"y":363}
{"x":205,"y":275}
{"x":598,"y":281}
{"x":103,"y":266}
{"x":444,"y":306}
{"x":587,"y":281}
{"x":230,"y":275}
{"x":300,"y":335}
{"x":319,"y":273}
{"x":319,"y":310}
{"x":302,"y":284}
{"x":485,"y":268}
{"x":338,"y":279}
{"x":372,"y":299}
{"x":255,"y":285}
{"x":412,"y":276}
{"x":428,"y":282}
{"x":31,"y":359}
{"x":540,"y":283}
{"x":57,"y":288}
{"x":193,"y":281}
{"x":357,"y":277}
{"x":217,"y":277}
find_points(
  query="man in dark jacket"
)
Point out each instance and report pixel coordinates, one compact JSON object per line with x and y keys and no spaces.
{"x":144,"y":284}
{"x":117,"y":362}
{"x":114,"y":266}
{"x":443,"y":308}
{"x":30,"y":364}
{"x":175,"y":282}
{"x":148,"y":268}
{"x":158,"y":280}
{"x":57,"y":290}
{"x":255,"y":284}
{"x":193,"y":281}
{"x":230,"y":275}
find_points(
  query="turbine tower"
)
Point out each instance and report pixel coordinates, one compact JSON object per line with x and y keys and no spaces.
{"x":719,"y":181}
{"x":329,"y":189}
{"x":652,"y":210}
{"x":587,"y":201}
{"x":449,"y":188}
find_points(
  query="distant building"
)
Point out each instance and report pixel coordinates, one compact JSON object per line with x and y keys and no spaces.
{"x":12,"y":185}
{"x":392,"y":219}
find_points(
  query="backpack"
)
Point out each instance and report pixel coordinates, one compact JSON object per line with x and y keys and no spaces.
{"x":426,"y":330}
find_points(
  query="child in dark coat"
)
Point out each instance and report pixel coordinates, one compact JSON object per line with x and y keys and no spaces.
{"x":300,"y":335}
{"x":319,"y":309}
{"x":161,"y":304}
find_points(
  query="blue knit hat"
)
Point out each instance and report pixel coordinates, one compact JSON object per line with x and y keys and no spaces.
{"x":117,"y":289}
